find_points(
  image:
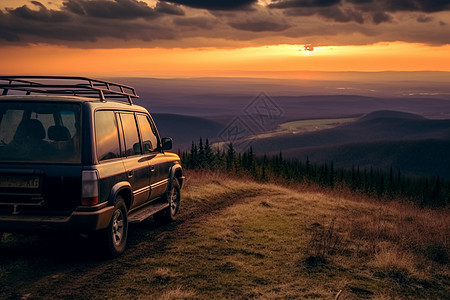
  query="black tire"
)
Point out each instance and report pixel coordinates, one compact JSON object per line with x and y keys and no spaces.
{"x":173,"y":197}
{"x":115,"y":235}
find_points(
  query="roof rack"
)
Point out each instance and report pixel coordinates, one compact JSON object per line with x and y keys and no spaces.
{"x":67,"y":85}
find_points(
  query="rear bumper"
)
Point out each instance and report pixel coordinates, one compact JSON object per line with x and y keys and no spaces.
{"x":83,"y":219}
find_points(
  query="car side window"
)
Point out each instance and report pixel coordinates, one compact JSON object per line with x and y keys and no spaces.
{"x":131,"y":135}
{"x":149,"y":139}
{"x":106,"y":135}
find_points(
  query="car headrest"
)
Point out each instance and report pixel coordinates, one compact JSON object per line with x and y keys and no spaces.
{"x":31,"y":129}
{"x":58,"y":133}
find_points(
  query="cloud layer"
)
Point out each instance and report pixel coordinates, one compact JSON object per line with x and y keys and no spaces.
{"x":191,"y":23}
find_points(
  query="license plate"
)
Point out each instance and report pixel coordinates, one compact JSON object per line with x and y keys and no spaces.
{"x":30,"y":182}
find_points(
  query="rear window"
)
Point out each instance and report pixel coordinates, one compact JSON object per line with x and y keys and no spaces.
{"x":40,"y":132}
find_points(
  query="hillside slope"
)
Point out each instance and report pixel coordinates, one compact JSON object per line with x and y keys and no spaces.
{"x":417,"y":158}
{"x":377,"y":126}
{"x":381,"y":139}
{"x":239,"y":239}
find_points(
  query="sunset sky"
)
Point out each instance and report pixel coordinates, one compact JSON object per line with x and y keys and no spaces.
{"x":191,"y":38}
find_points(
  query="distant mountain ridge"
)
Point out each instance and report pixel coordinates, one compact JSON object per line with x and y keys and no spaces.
{"x":390,"y":114}
{"x":422,"y":93}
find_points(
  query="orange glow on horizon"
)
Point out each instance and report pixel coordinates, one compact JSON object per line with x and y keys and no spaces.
{"x":196,"y":62}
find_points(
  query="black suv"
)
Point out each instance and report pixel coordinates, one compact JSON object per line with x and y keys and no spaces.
{"x":77,"y":155}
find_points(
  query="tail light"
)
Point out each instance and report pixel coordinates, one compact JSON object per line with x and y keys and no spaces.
{"x":89,"y":188}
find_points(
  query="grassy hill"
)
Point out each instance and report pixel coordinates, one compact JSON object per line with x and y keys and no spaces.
{"x":239,"y":239}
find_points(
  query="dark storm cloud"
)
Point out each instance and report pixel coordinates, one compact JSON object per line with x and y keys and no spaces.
{"x":380,"y":17}
{"x":118,"y":9}
{"x":166,"y":8}
{"x":380,"y":6}
{"x":359,"y":11}
{"x":260,"y":26}
{"x":303,"y":3}
{"x":334,"y":13}
{"x":403,"y":5}
{"x":342,"y":15}
{"x":424,"y":19}
{"x":37,"y":3}
{"x":42,"y":15}
{"x":82,"y":20}
{"x":199,"y":22}
{"x":418,"y":5}
{"x":135,"y":23}
{"x":216,"y":4}
{"x":5,"y":31}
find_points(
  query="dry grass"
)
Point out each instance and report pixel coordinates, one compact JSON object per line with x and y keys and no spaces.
{"x":178,"y":293}
{"x":239,"y":239}
{"x":385,"y":250}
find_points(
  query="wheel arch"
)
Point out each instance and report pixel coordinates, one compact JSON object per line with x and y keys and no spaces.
{"x":123,"y":189}
{"x":177,"y":172}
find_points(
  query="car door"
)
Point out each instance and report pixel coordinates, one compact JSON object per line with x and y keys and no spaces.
{"x":159,"y":167}
{"x":136,"y":166}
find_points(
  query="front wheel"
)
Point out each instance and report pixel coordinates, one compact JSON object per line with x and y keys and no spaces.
{"x":115,"y":235}
{"x":173,"y":197}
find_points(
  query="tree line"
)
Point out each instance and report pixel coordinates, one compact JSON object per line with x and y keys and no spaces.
{"x":424,"y":191}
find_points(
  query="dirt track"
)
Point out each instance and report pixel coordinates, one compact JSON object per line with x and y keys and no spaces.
{"x":70,"y":267}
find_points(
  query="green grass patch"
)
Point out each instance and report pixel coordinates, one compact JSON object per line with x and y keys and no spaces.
{"x":313,"y":125}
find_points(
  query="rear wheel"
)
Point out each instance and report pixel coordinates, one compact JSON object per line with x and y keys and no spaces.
{"x":173,"y":197}
{"x":115,"y":235}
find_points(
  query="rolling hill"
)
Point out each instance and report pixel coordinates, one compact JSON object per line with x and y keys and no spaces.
{"x":377,"y":126}
{"x":419,"y":158}
{"x":382,"y":139}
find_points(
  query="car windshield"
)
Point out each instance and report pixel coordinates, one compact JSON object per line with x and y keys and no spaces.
{"x":40,"y":132}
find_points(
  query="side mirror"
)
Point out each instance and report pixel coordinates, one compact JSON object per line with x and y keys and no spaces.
{"x":147,"y":146}
{"x":166,"y":143}
{"x":137,"y":148}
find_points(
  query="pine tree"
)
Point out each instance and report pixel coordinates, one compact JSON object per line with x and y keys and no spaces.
{"x":331,"y":182}
{"x":380,"y":190}
{"x":201,"y":155}
{"x":436,"y":193}
{"x":193,"y":157}
{"x":308,"y":167}
{"x":230,"y":157}
{"x":209,"y":155}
